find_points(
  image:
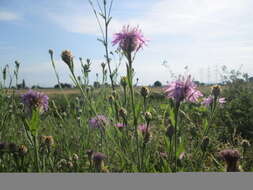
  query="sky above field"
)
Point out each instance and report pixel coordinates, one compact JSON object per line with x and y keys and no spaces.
{"x":201,"y":35}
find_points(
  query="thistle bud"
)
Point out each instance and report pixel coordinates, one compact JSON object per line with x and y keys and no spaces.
{"x":148,"y":116}
{"x":123,"y":82}
{"x":67,"y":57}
{"x":123,"y":113}
{"x":49,"y":141}
{"x":216,"y":91}
{"x":144,"y":91}
{"x":22,"y":150}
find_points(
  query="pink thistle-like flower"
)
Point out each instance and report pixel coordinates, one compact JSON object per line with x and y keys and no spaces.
{"x":98,"y":122}
{"x":129,"y":39}
{"x":35,"y":100}
{"x":120,"y":125}
{"x":183,"y":89}
{"x":143,"y":128}
{"x":209,"y":100}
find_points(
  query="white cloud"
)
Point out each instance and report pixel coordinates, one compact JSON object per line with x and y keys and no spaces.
{"x":197,"y":33}
{"x":8,"y":16}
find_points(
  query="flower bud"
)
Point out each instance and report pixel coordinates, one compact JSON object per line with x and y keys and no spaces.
{"x":51,"y":52}
{"x":123,"y":113}
{"x":148,"y":116}
{"x":67,"y":57}
{"x":144,"y":91}
{"x":123,"y":82}
{"x":216,"y":91}
{"x":22,"y":150}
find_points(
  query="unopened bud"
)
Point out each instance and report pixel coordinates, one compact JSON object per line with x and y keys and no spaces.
{"x":144,"y":91}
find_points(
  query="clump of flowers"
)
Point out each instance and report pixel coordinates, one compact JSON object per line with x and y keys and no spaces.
{"x":130,"y":39}
{"x":231,"y":158}
{"x":98,"y":122}
{"x":210,"y":100}
{"x":183,"y":89}
{"x":35,"y":100}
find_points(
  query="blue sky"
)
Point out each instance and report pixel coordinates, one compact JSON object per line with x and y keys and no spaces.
{"x":200,"y":34}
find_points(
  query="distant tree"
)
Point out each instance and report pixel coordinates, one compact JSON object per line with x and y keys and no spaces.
{"x":157,"y":84}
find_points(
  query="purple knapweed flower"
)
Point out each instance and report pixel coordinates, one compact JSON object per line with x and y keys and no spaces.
{"x":209,"y":100}
{"x":120,"y":125}
{"x":35,"y":100}
{"x":129,"y":39}
{"x":183,"y":89}
{"x":143,"y":128}
{"x":98,"y":122}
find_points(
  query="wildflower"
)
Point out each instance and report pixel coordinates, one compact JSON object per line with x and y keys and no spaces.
{"x":210,"y":99}
{"x":35,"y":100}
{"x":22,"y":150}
{"x":183,"y":89}
{"x":129,"y":39}
{"x":98,"y":122}
{"x":216,"y":90}
{"x":120,"y":125}
{"x":144,"y":129}
{"x":67,"y":57}
{"x":98,"y":159}
{"x":231,"y":158}
{"x":144,"y":91}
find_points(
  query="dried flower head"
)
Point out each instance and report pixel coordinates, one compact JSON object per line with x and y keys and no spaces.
{"x":35,"y":100}
{"x":129,"y":39}
{"x":49,"y":140}
{"x":183,"y":89}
